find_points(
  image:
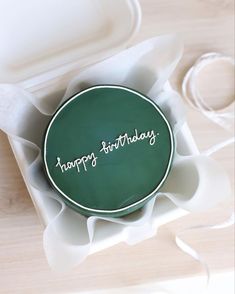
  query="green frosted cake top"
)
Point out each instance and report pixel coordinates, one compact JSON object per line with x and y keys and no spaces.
{"x":107,"y":150}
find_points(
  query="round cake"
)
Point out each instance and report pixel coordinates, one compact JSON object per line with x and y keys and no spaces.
{"x":107,"y":150}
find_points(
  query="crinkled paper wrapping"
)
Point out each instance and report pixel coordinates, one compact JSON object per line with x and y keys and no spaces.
{"x":195,"y":182}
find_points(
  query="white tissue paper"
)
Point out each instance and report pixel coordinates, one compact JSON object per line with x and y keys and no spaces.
{"x":195,"y":182}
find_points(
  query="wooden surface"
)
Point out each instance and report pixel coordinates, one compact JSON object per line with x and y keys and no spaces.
{"x":205,"y":25}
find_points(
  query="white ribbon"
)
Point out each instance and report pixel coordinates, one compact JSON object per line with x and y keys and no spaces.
{"x":225,"y":119}
{"x":192,"y":252}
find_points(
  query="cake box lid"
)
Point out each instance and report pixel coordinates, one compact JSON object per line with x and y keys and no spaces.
{"x":53,"y":37}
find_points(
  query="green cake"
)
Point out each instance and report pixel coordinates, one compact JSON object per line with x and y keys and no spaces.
{"x":107,"y":150}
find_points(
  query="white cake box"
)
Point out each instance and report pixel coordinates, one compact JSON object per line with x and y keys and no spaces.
{"x":44,"y":46}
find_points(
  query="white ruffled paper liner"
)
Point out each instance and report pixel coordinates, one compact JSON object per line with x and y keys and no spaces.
{"x":195,"y":182}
